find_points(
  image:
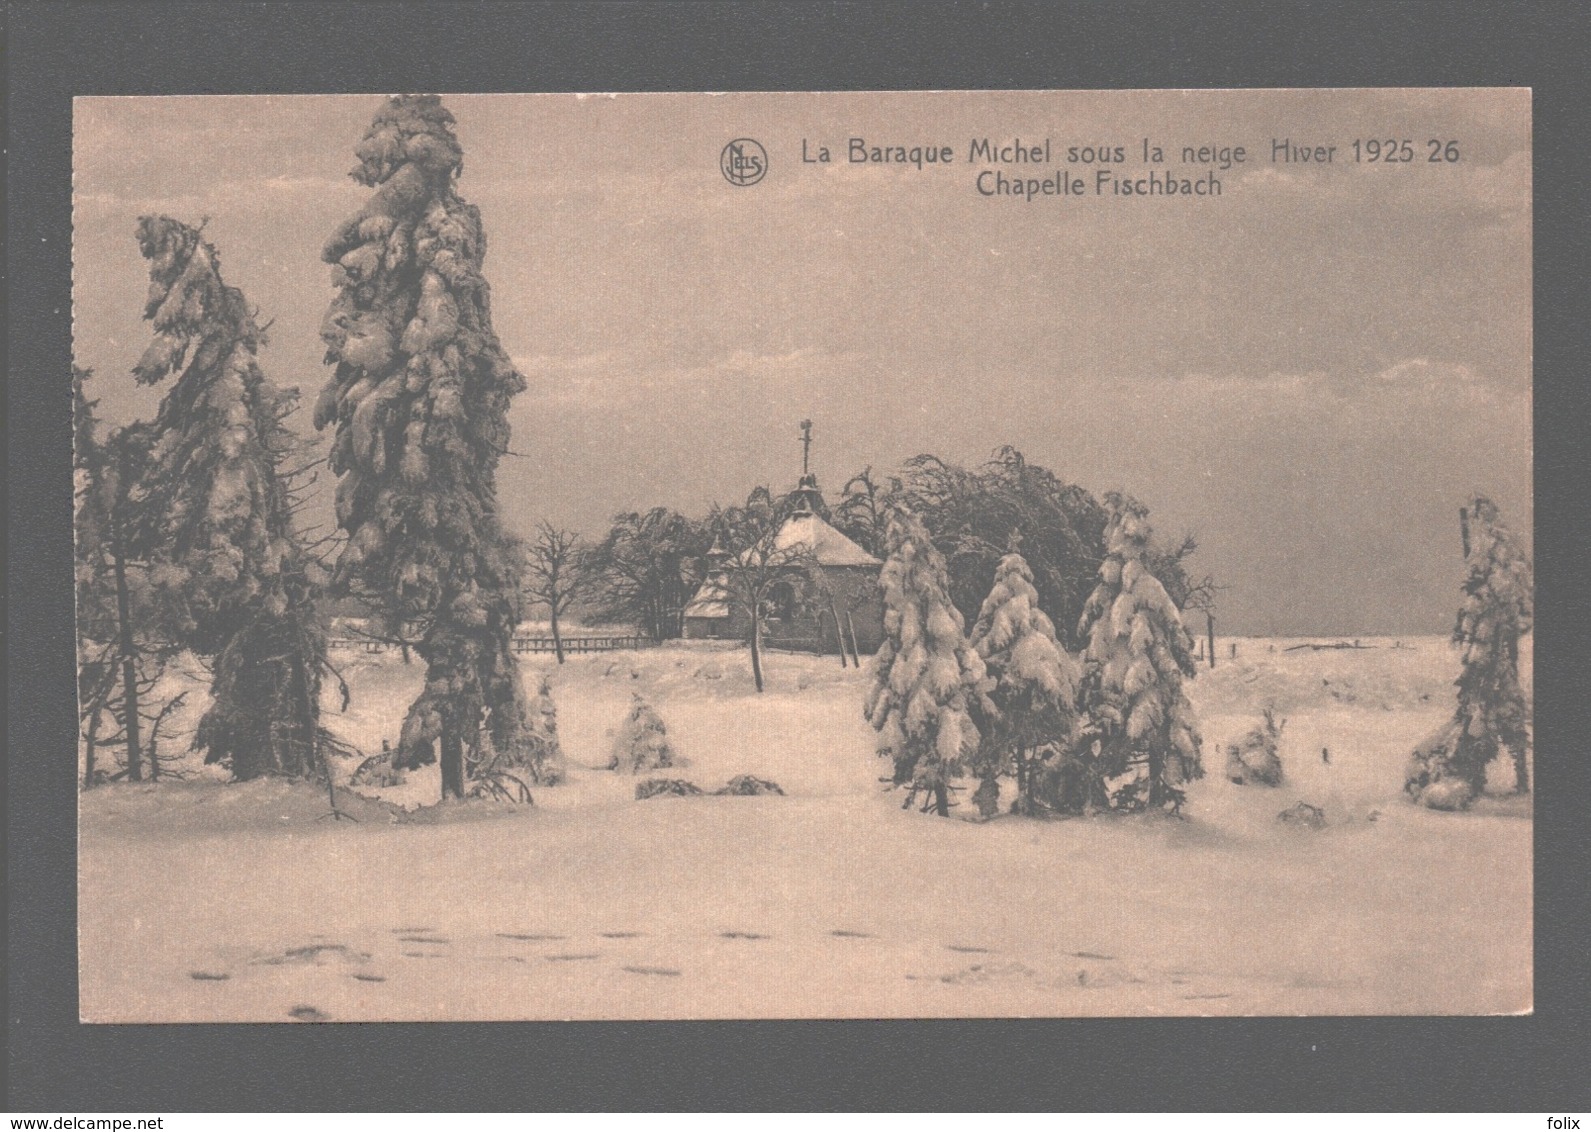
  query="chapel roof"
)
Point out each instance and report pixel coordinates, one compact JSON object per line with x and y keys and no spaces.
{"x":827,"y":546}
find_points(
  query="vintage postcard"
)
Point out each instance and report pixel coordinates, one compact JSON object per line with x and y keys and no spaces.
{"x":807,"y":555}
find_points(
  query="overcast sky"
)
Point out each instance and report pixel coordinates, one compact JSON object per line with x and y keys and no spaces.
{"x":1311,"y":371}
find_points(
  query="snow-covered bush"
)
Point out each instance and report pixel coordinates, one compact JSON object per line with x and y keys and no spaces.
{"x":1034,"y":690}
{"x":1448,"y":770}
{"x":745,"y":785}
{"x":1140,"y":743}
{"x":536,"y":758}
{"x":664,"y":787}
{"x":1255,"y":757}
{"x":642,"y":743}
{"x":377,"y":771}
{"x":1303,"y":816}
{"x":927,"y":680}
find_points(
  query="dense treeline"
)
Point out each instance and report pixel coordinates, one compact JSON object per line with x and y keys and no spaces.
{"x":649,"y":564}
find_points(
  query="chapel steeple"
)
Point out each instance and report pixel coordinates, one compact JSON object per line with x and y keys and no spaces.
{"x":806,"y":499}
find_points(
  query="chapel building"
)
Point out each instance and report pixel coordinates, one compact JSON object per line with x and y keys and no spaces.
{"x":830,"y":600}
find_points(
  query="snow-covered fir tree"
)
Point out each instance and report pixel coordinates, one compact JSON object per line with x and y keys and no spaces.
{"x":1140,"y":743}
{"x":214,"y":516}
{"x":1448,"y":770}
{"x":547,"y":765}
{"x":642,"y":742}
{"x":419,"y":403}
{"x":928,"y":681}
{"x":1256,"y":757}
{"x":1034,"y":689}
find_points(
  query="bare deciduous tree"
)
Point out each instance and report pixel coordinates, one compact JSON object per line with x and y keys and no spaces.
{"x":555,"y":575}
{"x":756,"y":562}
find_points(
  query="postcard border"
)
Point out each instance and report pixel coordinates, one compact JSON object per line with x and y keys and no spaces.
{"x":58,"y":51}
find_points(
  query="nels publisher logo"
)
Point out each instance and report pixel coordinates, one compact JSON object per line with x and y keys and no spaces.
{"x":744,"y":162}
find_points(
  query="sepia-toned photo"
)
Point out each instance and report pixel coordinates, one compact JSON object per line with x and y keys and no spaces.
{"x":817,"y":555}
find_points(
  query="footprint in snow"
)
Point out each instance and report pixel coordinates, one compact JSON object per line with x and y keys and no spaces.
{"x":1098,"y":980}
{"x":980,"y":973}
{"x":313,"y":954}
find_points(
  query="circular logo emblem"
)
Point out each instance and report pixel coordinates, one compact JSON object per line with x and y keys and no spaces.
{"x":744,"y":162}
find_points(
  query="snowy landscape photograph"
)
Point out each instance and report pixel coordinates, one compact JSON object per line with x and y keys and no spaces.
{"x":816,"y":555}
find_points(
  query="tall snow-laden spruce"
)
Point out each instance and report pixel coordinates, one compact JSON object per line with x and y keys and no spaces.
{"x":419,"y":402}
{"x":928,"y":682}
{"x":213,"y":516}
{"x":1448,"y":770}
{"x":1034,"y":689}
{"x":1140,"y":744}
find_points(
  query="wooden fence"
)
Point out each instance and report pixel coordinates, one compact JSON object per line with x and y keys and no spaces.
{"x":358,"y":644}
{"x":582,"y":644}
{"x":522,"y":645}
{"x":794,"y":644}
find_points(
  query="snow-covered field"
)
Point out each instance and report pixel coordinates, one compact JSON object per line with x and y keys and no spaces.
{"x":201,"y":901}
